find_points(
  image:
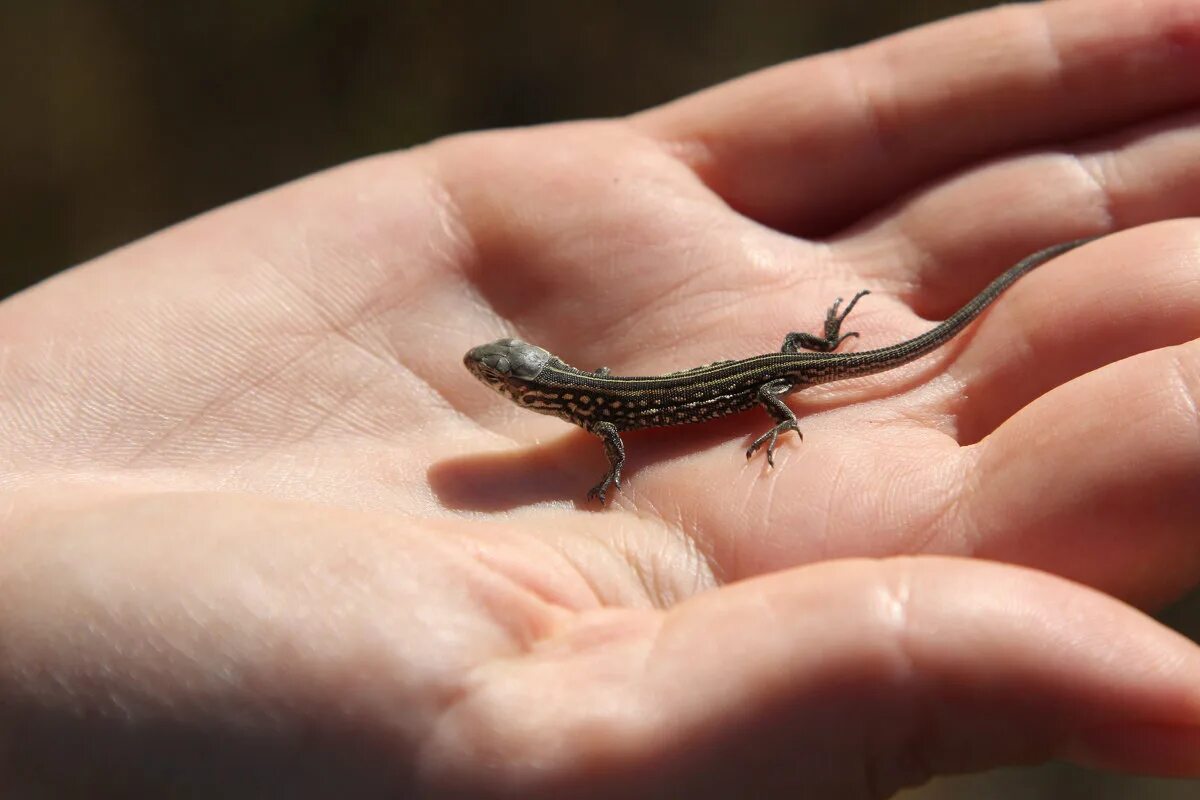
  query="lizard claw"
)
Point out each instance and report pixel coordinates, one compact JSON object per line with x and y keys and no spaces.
{"x":770,"y":438}
{"x":600,"y":490}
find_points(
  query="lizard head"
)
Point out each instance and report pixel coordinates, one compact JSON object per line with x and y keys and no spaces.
{"x":506,"y":365}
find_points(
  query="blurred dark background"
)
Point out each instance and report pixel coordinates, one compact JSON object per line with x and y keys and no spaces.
{"x":122,"y":117}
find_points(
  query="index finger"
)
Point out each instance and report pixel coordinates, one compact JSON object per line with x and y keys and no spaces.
{"x":808,"y":146}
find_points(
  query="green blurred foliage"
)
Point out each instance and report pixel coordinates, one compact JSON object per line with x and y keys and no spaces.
{"x":123,"y":117}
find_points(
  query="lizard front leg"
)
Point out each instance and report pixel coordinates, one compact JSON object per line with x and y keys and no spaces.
{"x":769,"y":394}
{"x":615,"y":450}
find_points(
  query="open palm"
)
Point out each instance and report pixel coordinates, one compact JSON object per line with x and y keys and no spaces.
{"x":261,"y":525}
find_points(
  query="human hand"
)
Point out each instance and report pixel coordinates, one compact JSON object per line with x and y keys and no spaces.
{"x":263,"y":529}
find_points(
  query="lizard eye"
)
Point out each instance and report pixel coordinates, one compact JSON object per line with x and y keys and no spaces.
{"x":499,"y":363}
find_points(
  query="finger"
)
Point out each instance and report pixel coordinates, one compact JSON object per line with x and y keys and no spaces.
{"x":845,"y":679}
{"x":950,"y":240}
{"x":1096,"y":480}
{"x":809,"y":146}
{"x":1124,"y":295}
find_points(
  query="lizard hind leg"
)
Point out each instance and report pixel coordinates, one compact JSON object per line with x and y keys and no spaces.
{"x":801,"y":340}
{"x":768,"y":395}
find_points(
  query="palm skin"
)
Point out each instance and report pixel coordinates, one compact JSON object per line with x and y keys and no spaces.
{"x":263,"y":529}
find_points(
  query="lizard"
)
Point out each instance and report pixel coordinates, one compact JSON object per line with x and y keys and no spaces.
{"x":605,"y":404}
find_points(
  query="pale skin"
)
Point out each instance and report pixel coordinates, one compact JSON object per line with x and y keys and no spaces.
{"x":261,"y":530}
